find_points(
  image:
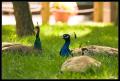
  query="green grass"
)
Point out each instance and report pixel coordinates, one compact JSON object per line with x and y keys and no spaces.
{"x":47,"y":65}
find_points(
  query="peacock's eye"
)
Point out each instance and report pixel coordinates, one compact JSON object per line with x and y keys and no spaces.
{"x":66,"y":37}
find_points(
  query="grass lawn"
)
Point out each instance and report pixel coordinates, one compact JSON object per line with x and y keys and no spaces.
{"x":47,"y":65}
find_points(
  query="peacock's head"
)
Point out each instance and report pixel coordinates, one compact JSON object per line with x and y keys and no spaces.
{"x":36,"y":29}
{"x":66,"y":36}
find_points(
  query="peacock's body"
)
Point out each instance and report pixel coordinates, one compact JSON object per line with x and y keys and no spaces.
{"x":95,"y":49}
{"x":80,"y":64}
{"x":12,"y":47}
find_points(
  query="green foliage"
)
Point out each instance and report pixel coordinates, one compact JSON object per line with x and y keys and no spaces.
{"x":47,"y":65}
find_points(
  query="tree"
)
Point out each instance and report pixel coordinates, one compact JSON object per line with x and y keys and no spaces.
{"x":24,"y":24}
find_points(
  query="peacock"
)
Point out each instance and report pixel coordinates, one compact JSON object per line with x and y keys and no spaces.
{"x":23,"y":48}
{"x":37,"y":43}
{"x":86,"y":50}
{"x":79,"y":64}
{"x":65,"y":51}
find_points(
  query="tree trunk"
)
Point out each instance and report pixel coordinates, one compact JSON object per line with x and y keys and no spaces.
{"x":24,"y":24}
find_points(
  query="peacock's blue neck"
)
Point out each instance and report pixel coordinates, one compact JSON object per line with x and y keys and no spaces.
{"x":65,"y":51}
{"x":66,"y":44}
{"x":37,"y":43}
{"x":37,"y":35}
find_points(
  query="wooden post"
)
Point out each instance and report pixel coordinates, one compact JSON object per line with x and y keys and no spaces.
{"x":117,"y":17}
{"x":107,"y":12}
{"x":114,"y":12}
{"x":98,"y":12}
{"x":110,"y":12}
{"x":45,"y":12}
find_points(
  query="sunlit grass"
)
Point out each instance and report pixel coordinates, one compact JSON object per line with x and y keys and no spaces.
{"x":47,"y":65}
{"x":94,"y":24}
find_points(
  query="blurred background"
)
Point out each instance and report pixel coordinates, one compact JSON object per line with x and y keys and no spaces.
{"x":83,"y":12}
{"x":35,"y":7}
